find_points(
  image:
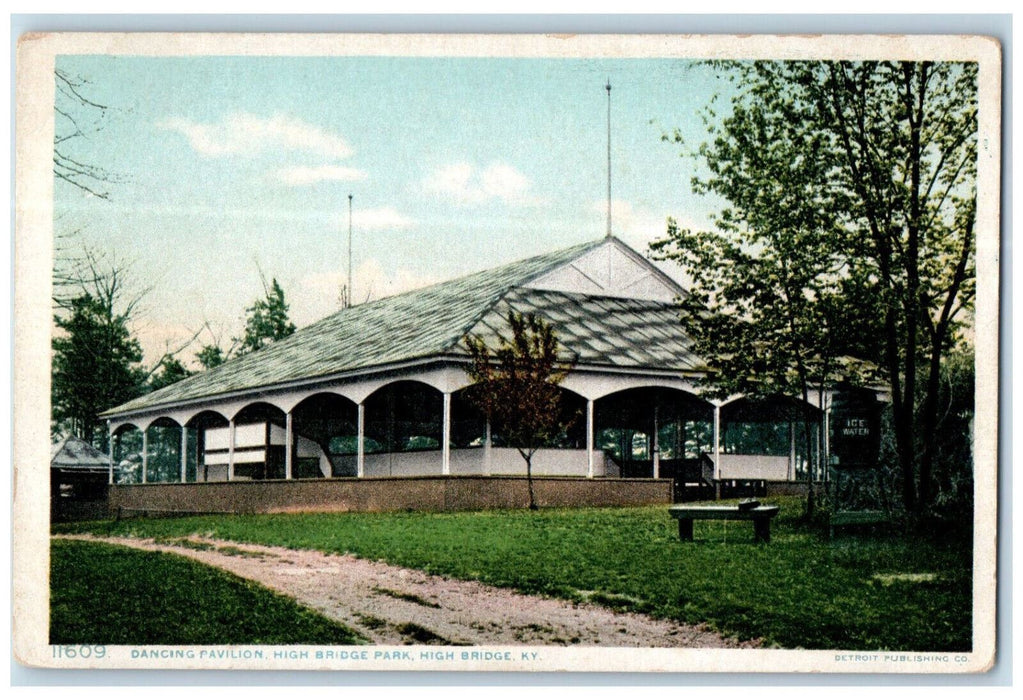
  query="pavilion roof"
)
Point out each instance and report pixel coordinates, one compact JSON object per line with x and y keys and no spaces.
{"x":432,"y":321}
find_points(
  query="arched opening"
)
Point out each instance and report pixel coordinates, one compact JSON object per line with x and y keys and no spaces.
{"x":163,"y":451}
{"x":127,"y":454}
{"x":325,"y":437}
{"x":403,"y":430}
{"x":259,"y":443}
{"x":197,"y":427}
{"x":468,"y":424}
{"x":657,"y":431}
{"x":405,"y":416}
{"x":771,"y":439}
{"x":562,"y":453}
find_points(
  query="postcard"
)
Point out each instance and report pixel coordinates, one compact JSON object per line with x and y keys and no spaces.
{"x":402,"y":352}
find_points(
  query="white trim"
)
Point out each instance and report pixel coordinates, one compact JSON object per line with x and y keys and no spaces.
{"x":312,"y":384}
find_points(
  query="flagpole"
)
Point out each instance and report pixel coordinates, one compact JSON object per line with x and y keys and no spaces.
{"x":608,"y":88}
{"x":349,"y":297}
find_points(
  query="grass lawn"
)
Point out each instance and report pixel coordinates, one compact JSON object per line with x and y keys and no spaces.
{"x":799,"y":591}
{"x":103,"y":594}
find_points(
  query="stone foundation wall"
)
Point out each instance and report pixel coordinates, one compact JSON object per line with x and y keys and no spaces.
{"x":428,"y":493}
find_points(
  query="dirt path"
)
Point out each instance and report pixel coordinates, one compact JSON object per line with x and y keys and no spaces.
{"x":392,"y":605}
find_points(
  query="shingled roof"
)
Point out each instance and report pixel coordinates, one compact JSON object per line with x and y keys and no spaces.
{"x":432,"y":321}
{"x":77,"y":455}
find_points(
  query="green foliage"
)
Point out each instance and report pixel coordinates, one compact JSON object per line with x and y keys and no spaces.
{"x":516,"y":385}
{"x":170,"y":370}
{"x":631,"y":558}
{"x":103,"y":594}
{"x":952,"y":441}
{"x":848,"y":231}
{"x":211,"y":356}
{"x":95,"y":365}
{"x":267,"y":320}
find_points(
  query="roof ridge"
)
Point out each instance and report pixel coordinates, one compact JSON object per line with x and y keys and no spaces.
{"x":59,"y":447}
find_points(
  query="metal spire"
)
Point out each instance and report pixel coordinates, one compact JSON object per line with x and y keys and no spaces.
{"x":608,"y":88}
{"x":348,"y":296}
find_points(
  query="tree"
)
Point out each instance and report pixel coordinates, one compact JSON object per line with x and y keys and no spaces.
{"x":266,"y":322}
{"x":516,"y":386}
{"x":863,"y":176}
{"x":210,"y":356}
{"x":169,"y":371}
{"x":77,"y":118}
{"x":96,"y":365}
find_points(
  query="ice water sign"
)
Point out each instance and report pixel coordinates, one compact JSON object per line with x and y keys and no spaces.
{"x":855,"y":427}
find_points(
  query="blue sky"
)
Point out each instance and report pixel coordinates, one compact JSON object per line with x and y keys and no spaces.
{"x":232,"y":165}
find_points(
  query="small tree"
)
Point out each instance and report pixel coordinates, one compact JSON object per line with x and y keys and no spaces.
{"x":267,"y":320}
{"x":516,"y":385}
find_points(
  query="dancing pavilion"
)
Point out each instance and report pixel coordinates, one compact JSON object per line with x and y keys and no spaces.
{"x":378,"y":389}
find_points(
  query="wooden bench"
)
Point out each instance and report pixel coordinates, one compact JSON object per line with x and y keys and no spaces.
{"x":856,"y":517}
{"x":761,"y":517}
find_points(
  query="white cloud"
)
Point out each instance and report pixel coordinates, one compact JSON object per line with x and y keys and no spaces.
{"x":380,"y":218}
{"x":466,"y":184}
{"x":300,"y":175}
{"x":244,"y":133}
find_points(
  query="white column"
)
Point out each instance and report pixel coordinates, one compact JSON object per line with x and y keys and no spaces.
{"x":589,"y":439}
{"x":184,"y":454}
{"x":717,"y":443}
{"x":110,"y":449}
{"x":360,"y":459}
{"x":826,"y":457}
{"x":289,"y":442}
{"x":792,"y":451}
{"x":655,"y":442}
{"x":145,"y":453}
{"x":445,"y":468}
{"x":230,"y":450}
{"x":487,"y":446}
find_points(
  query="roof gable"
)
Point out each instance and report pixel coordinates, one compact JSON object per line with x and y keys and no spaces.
{"x":611,"y":269}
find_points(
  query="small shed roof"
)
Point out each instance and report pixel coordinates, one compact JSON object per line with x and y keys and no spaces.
{"x":76,"y":454}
